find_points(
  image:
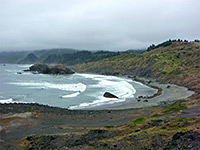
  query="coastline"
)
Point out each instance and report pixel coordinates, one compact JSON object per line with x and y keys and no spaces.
{"x":166,"y":94}
{"x":143,"y":98}
{"x":166,"y":119}
{"x":31,"y":120}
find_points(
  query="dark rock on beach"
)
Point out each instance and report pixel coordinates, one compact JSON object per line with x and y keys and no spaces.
{"x":109,"y":95}
{"x":168,"y":86}
{"x":140,"y":96}
{"x":45,"y":69}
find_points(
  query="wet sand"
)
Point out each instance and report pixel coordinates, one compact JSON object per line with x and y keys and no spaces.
{"x":169,"y":93}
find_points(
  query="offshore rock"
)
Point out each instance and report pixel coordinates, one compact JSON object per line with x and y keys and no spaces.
{"x":109,"y":95}
{"x":45,"y":69}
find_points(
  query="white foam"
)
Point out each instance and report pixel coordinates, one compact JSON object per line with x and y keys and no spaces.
{"x":122,"y":89}
{"x":11,"y":101}
{"x":44,"y":85}
{"x":71,"y":95}
{"x":25,"y":66}
{"x":119,"y":86}
{"x":115,"y":85}
{"x":11,"y":71}
{"x":98,"y":77}
{"x":95,"y":103}
{"x":6,"y":101}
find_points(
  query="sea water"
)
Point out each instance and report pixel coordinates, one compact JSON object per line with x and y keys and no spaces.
{"x":76,"y":91}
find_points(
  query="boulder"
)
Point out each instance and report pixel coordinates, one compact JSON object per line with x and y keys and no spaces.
{"x":45,"y":69}
{"x":109,"y":95}
{"x":140,"y":96}
{"x":168,"y":86}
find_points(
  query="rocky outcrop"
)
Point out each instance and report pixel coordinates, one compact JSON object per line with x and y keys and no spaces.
{"x":109,"y":95}
{"x":45,"y":69}
{"x":39,"y":67}
{"x":189,"y":140}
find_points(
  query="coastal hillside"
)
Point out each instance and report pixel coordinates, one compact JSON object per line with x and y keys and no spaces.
{"x":170,"y":62}
{"x":165,"y":127}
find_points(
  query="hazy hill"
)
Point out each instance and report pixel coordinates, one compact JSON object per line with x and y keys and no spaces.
{"x":29,"y":59}
{"x":43,"y":54}
{"x":55,"y":56}
{"x":23,"y":56}
{"x":175,"y":62}
{"x":12,"y":57}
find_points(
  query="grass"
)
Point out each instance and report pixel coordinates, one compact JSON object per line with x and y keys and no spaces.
{"x":139,"y":120}
{"x":175,"y":108}
{"x":168,"y":63}
{"x":134,"y":123}
{"x":109,"y":127}
{"x":163,"y":127}
{"x":155,"y":115}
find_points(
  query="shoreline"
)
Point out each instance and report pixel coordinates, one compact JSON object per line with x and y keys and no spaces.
{"x":18,"y":120}
{"x":166,"y":94}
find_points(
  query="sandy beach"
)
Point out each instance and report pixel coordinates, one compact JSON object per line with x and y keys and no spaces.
{"x":169,"y":93}
{"x":20,"y":120}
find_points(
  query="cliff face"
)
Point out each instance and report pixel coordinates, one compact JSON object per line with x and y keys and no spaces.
{"x":177,"y":63}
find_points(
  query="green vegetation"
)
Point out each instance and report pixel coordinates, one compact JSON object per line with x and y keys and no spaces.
{"x":109,"y":127}
{"x":155,"y":115}
{"x":137,"y":121}
{"x":164,"y":44}
{"x":175,"y":108}
{"x":173,"y":61}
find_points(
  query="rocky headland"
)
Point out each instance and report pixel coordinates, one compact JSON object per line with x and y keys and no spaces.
{"x":45,"y":69}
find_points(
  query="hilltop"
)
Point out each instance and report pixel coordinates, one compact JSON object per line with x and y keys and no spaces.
{"x":175,"y":62}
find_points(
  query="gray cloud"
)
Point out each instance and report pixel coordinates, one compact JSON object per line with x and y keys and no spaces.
{"x":95,"y":24}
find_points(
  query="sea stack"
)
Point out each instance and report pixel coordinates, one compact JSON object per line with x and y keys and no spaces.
{"x":45,"y":69}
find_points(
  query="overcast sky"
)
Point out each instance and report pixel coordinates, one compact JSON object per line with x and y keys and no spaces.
{"x":96,"y":24}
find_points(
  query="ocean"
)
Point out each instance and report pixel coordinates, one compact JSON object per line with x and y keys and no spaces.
{"x":76,"y":91}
